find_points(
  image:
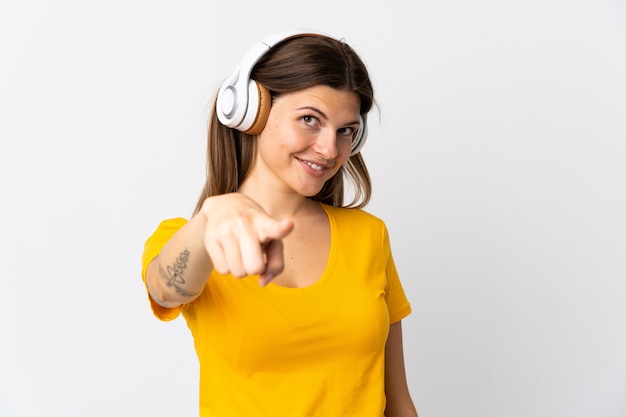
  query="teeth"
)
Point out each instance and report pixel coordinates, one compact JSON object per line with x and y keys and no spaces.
{"x":314,"y":166}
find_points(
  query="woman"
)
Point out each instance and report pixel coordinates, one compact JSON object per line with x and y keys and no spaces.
{"x":291,"y":295}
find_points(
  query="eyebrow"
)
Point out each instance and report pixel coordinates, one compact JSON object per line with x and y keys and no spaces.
{"x":324,"y":116}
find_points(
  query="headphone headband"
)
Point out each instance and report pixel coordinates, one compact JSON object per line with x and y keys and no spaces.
{"x":244,"y":105}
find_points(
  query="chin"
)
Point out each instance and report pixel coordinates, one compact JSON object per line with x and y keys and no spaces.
{"x":310,"y":191}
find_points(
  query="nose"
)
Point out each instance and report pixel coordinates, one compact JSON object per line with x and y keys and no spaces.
{"x":326,"y":143}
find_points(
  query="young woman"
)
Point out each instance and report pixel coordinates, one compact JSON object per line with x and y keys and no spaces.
{"x":291,"y":295}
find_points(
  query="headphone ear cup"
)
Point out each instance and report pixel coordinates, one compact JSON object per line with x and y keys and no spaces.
{"x":361,"y":136}
{"x":262,"y":111}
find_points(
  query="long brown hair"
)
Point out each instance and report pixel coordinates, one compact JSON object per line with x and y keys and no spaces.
{"x":293,"y":65}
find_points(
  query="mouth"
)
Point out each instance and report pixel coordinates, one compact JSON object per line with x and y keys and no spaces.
{"x":313,"y":167}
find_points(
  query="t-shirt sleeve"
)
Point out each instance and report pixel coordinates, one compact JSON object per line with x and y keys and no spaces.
{"x":152,"y":248}
{"x":397,"y":302}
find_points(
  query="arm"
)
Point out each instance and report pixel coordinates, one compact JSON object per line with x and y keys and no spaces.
{"x":230,"y":233}
{"x":399,"y":402}
{"x":179,"y":272}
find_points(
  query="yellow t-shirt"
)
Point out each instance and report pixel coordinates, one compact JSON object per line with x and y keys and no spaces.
{"x":296,"y":352}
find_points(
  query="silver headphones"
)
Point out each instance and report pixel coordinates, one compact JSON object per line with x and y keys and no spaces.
{"x":243,"y":104}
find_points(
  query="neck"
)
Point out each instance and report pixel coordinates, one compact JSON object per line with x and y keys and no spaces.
{"x":280,"y":205}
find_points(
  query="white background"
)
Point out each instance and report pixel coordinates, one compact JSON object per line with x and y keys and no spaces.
{"x":499,"y":164}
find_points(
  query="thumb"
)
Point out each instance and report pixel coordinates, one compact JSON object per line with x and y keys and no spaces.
{"x":274,"y":229}
{"x":285,"y":227}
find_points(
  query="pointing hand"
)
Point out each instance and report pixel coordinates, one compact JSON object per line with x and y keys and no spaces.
{"x":242,"y":239}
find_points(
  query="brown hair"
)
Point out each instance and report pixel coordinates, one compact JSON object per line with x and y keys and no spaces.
{"x":292,"y":65}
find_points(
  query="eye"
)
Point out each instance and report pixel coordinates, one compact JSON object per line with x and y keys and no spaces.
{"x":310,"y":120}
{"x":347,"y":131}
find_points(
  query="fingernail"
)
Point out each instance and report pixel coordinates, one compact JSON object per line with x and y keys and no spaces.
{"x":265,"y":279}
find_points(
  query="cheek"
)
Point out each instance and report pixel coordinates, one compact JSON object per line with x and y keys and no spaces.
{"x":341,"y":160}
{"x":344,"y":150}
{"x":275,"y":148}
{"x":276,"y":136}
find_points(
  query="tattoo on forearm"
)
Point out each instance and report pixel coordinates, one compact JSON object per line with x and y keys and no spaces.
{"x":174,"y":275}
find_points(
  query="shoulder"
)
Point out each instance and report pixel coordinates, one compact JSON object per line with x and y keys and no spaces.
{"x":168,"y":227}
{"x":164,"y":231}
{"x":357,"y":223}
{"x":355,"y":216}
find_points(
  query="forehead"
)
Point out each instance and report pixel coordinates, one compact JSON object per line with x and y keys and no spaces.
{"x":326,"y":99}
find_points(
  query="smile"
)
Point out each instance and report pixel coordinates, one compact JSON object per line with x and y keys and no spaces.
{"x":314,"y":166}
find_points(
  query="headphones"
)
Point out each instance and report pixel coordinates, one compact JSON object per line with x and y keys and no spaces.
{"x":243,"y":104}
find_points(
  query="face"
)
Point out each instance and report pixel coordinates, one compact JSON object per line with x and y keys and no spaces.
{"x":307,"y":138}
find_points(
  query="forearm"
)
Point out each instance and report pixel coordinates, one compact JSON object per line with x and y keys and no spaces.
{"x":399,"y":401}
{"x":180,"y":271}
{"x":405,"y":410}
